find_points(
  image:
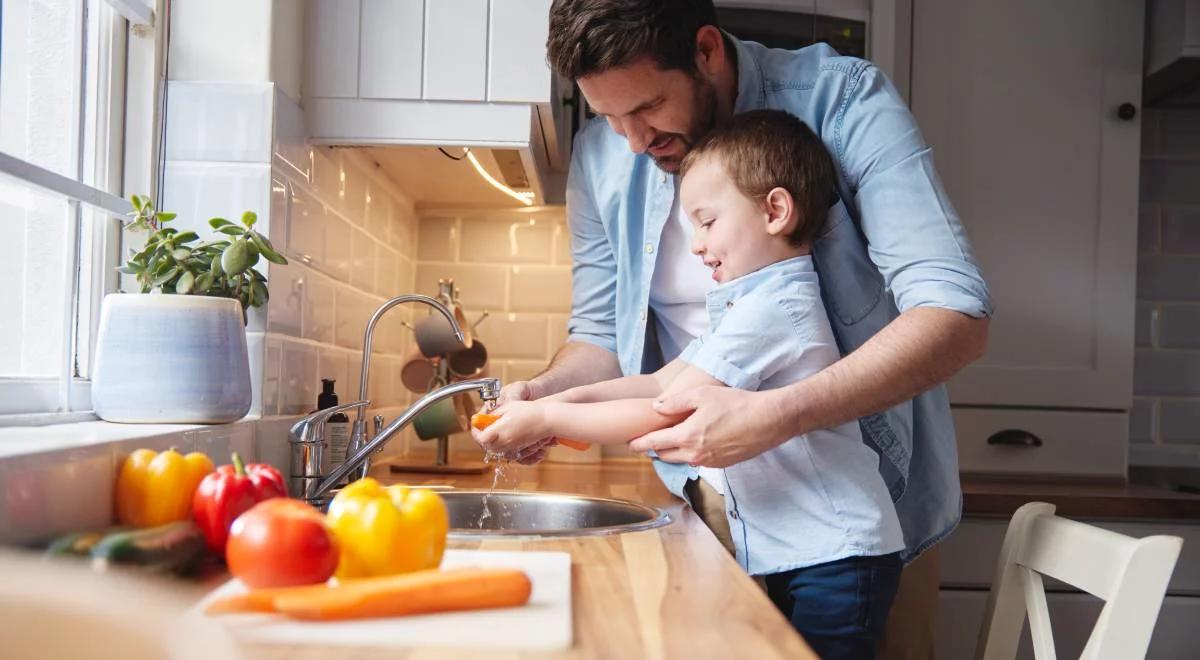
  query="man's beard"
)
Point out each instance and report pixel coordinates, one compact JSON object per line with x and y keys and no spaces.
{"x":704,"y":100}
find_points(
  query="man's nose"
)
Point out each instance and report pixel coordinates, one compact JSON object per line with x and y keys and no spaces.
{"x":638,"y":133}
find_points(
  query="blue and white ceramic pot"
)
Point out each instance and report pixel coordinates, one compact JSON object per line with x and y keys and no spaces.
{"x":171,"y":359}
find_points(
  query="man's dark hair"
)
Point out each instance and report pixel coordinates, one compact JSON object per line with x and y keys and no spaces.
{"x":765,"y":149}
{"x":592,"y":36}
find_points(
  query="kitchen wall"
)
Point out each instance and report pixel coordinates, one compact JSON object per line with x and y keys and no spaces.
{"x":1165,"y":424}
{"x":514,"y":264}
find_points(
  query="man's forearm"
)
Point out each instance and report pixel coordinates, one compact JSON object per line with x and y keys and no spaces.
{"x":576,"y":363}
{"x":923,"y":347}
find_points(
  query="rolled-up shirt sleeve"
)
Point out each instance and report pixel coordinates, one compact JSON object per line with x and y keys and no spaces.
{"x":753,"y":341}
{"x":594,"y":270}
{"x":914,"y":236}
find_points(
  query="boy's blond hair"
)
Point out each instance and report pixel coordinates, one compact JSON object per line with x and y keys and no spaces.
{"x":765,"y":149}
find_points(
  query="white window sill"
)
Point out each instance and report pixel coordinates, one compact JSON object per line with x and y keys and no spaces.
{"x":22,"y":440}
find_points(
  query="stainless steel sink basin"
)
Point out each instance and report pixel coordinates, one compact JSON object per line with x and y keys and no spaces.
{"x":518,"y":513}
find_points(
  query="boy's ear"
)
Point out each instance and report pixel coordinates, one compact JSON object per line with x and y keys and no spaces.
{"x":781,"y":217}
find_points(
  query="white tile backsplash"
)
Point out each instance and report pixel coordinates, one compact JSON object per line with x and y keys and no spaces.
{"x":363,"y":260}
{"x":540,"y":289}
{"x":512,"y":239}
{"x":338,"y":241}
{"x":306,"y":227}
{"x":298,"y":378}
{"x":320,"y":310}
{"x":480,"y":287}
{"x":286,"y":284}
{"x":198,"y":191}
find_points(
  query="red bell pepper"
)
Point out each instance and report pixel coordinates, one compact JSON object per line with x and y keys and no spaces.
{"x":230,"y":491}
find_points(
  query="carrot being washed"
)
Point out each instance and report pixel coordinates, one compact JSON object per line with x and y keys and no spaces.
{"x":394,"y":595}
{"x":483,"y":420}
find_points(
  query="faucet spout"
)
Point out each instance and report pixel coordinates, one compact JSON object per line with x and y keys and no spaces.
{"x":488,"y":388}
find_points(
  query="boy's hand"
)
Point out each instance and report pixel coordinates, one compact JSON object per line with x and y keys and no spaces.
{"x":520,"y":433}
{"x":521,"y":390}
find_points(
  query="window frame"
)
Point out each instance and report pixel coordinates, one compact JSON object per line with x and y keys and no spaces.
{"x":121,"y":75}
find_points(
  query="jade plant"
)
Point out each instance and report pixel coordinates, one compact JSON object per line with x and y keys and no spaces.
{"x":173,"y":261}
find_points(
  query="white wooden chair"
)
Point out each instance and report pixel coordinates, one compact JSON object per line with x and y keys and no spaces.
{"x":1129,"y":574}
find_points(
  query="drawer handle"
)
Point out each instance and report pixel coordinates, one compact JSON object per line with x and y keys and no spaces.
{"x":1014,"y":438}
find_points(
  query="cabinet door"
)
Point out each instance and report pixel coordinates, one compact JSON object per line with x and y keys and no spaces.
{"x":331,"y":51}
{"x":390,"y":58}
{"x":455,"y":50}
{"x":1019,"y":103}
{"x":517,"y":68}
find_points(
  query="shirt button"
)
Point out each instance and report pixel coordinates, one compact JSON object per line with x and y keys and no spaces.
{"x":733,"y":514}
{"x":643,"y":315}
{"x":662,"y":177}
{"x":649,"y":248}
{"x":728,"y":304}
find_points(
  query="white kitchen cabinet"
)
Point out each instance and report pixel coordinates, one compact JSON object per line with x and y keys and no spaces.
{"x":456,"y":50}
{"x":393,"y":37}
{"x":331,"y":51}
{"x":1020,"y":103}
{"x":517,"y":68}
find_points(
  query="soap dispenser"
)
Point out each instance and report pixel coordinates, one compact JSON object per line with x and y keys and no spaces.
{"x":337,"y":428}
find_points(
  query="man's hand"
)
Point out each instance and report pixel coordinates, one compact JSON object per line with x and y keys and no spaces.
{"x":728,"y":426}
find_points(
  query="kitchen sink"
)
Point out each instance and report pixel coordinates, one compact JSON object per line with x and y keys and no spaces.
{"x":522,"y":513}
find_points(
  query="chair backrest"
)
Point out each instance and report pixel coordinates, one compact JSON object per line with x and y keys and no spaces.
{"x":1129,"y":574}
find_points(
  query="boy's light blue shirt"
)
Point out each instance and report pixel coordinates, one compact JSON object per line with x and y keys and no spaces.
{"x":817,"y":497}
{"x":892,"y":243}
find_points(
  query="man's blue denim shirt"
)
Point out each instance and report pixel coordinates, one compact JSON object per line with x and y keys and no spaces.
{"x":893,"y":242}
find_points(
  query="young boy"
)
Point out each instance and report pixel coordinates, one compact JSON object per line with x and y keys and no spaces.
{"x":812,"y":515}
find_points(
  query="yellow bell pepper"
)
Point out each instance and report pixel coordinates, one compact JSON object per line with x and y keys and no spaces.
{"x":156,"y":488}
{"x":384,"y":531}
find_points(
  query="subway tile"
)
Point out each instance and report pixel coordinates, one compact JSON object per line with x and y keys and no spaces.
{"x":298,"y":378}
{"x":272,"y":363}
{"x":437,"y":239}
{"x":337,"y":248}
{"x":1168,"y":277}
{"x":1169,"y":373}
{"x":1141,"y":420}
{"x":319,"y":308}
{"x":219,"y":121}
{"x":562,"y":245}
{"x":1170,"y":181}
{"x":558,"y":332}
{"x":386,"y":273}
{"x":1148,"y":240}
{"x":406,"y":275}
{"x":285,"y":307}
{"x":219,"y":443}
{"x":353,"y":372}
{"x":390,"y":331}
{"x":509,"y":336}
{"x":1146,"y":325}
{"x":363,"y":260}
{"x":292,"y":152}
{"x":353,"y":311}
{"x":1179,"y":326}
{"x":480,"y":287}
{"x":306,"y":227}
{"x":1179,"y":132}
{"x":354,"y":193}
{"x":403,"y":229}
{"x":377,"y":211}
{"x":1181,"y":230}
{"x":51,"y":493}
{"x":513,"y":239}
{"x":199,"y":191}
{"x":332,"y":364}
{"x":326,"y":175}
{"x":540,"y":289}
{"x":277,"y":223}
{"x":1179,"y":420}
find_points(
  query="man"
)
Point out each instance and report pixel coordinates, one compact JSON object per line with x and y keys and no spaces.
{"x":908,"y":305}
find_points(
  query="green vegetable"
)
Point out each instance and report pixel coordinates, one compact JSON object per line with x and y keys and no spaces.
{"x":77,"y":544}
{"x":176,"y":547}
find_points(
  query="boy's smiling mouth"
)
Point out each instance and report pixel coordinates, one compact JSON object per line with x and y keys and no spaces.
{"x":715,"y":265}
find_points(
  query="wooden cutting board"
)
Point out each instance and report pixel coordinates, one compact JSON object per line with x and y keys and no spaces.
{"x":544,"y":623}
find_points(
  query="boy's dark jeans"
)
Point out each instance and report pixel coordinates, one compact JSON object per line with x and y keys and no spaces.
{"x":840,"y":608}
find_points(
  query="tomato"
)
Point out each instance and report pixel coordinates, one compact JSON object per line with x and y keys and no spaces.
{"x":281,"y":542}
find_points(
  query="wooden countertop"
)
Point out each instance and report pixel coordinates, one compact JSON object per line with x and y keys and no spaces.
{"x":1084,"y":500}
{"x":671,"y":592}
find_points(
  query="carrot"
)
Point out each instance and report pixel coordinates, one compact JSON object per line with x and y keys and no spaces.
{"x":483,"y":420}
{"x":394,"y":595}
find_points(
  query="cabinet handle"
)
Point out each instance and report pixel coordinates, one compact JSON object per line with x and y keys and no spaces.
{"x":1014,"y":438}
{"x":1126,"y":111}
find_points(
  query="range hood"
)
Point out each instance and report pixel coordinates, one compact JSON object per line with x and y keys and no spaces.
{"x":1172,"y":54}
{"x":426,"y":73}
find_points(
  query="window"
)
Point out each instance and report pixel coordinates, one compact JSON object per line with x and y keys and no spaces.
{"x":67,"y":70}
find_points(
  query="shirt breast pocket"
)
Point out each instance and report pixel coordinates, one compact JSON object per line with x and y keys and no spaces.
{"x":850,"y":283}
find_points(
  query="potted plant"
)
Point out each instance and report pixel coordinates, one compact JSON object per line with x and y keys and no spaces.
{"x":176,"y":352}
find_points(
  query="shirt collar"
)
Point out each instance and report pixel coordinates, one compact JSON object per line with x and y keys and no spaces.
{"x":734,"y":289}
{"x":750,"y":93}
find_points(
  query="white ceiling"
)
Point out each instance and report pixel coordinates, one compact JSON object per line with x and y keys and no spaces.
{"x":434,"y":181}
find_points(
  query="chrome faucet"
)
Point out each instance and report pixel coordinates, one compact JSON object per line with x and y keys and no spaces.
{"x":314,"y":487}
{"x":358,"y":436}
